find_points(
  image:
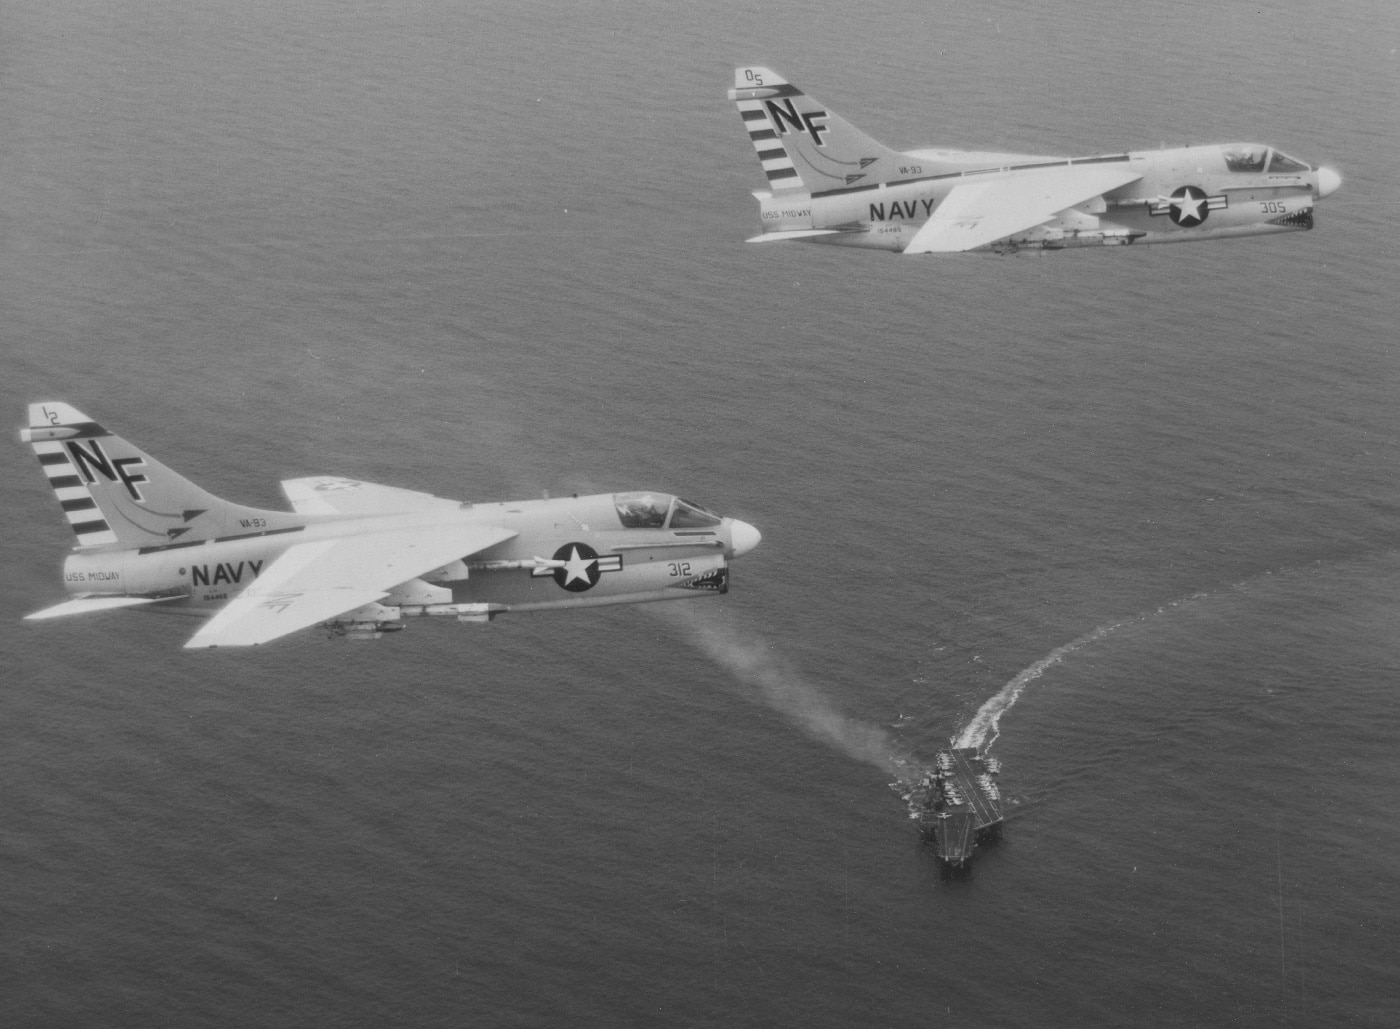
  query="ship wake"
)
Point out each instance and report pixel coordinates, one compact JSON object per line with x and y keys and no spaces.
{"x":984,"y":728}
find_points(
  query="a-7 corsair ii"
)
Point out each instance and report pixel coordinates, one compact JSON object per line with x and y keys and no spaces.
{"x":353,"y":555}
{"x":831,"y":183}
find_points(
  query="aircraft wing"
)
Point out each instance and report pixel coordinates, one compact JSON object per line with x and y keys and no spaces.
{"x":315,"y":581}
{"x":328,"y":494}
{"x":984,"y":210}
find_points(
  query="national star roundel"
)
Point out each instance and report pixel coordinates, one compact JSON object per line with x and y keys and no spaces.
{"x":1189,"y":206}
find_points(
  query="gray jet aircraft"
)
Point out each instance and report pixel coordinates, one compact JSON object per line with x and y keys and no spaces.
{"x":831,"y":183}
{"x":353,"y":555}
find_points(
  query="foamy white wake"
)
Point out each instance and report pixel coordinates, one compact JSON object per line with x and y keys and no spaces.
{"x":985,"y":723}
{"x":750,"y":660}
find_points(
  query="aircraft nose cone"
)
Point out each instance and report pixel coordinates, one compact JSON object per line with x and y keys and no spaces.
{"x":1328,"y":182}
{"x":743,"y":537}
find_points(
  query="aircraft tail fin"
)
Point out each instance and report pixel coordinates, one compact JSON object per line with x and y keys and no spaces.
{"x":803,"y":145}
{"x":115,"y":495}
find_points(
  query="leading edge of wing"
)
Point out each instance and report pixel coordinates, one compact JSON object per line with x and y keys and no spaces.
{"x":983,"y":211}
{"x":315,"y":581}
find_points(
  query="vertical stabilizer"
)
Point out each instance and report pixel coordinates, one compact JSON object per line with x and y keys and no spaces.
{"x":114,"y":494}
{"x":803,"y":145}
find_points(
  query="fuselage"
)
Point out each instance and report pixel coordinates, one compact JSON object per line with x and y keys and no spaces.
{"x":567,"y":552}
{"x":1182,"y":194}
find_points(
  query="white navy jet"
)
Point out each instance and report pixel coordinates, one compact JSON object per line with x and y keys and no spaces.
{"x":831,"y":183}
{"x":353,"y":555}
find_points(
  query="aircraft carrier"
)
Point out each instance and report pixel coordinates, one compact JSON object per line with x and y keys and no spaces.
{"x":957,"y":802}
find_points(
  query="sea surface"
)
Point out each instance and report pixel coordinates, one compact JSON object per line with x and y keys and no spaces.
{"x":495,"y":251}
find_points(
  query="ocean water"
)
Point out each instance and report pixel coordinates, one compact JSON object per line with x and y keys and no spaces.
{"x":492,"y":252}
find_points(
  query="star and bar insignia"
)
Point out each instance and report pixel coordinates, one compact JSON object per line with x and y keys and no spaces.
{"x":582,"y":567}
{"x":1188,"y":206}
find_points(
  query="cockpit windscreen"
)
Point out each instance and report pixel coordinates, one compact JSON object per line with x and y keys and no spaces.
{"x":686,"y":515}
{"x":651,"y":511}
{"x":1281,"y":162}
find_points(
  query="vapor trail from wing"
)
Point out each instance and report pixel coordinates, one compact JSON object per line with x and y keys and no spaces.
{"x":753,"y":663}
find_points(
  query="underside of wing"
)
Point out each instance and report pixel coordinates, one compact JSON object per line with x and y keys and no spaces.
{"x":328,"y":494}
{"x":981,"y":211}
{"x":315,"y":581}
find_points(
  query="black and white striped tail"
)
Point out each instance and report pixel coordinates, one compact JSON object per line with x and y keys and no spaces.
{"x":51,"y":427}
{"x":749,"y":96}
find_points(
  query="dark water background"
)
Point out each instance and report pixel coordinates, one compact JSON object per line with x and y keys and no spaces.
{"x":493,"y":250}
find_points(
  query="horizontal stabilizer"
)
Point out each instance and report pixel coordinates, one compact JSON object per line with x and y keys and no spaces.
{"x":89,"y":605}
{"x":778,"y":237}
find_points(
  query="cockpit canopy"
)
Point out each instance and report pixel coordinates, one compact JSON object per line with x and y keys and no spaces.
{"x":661,"y":510}
{"x":1252,"y":158}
